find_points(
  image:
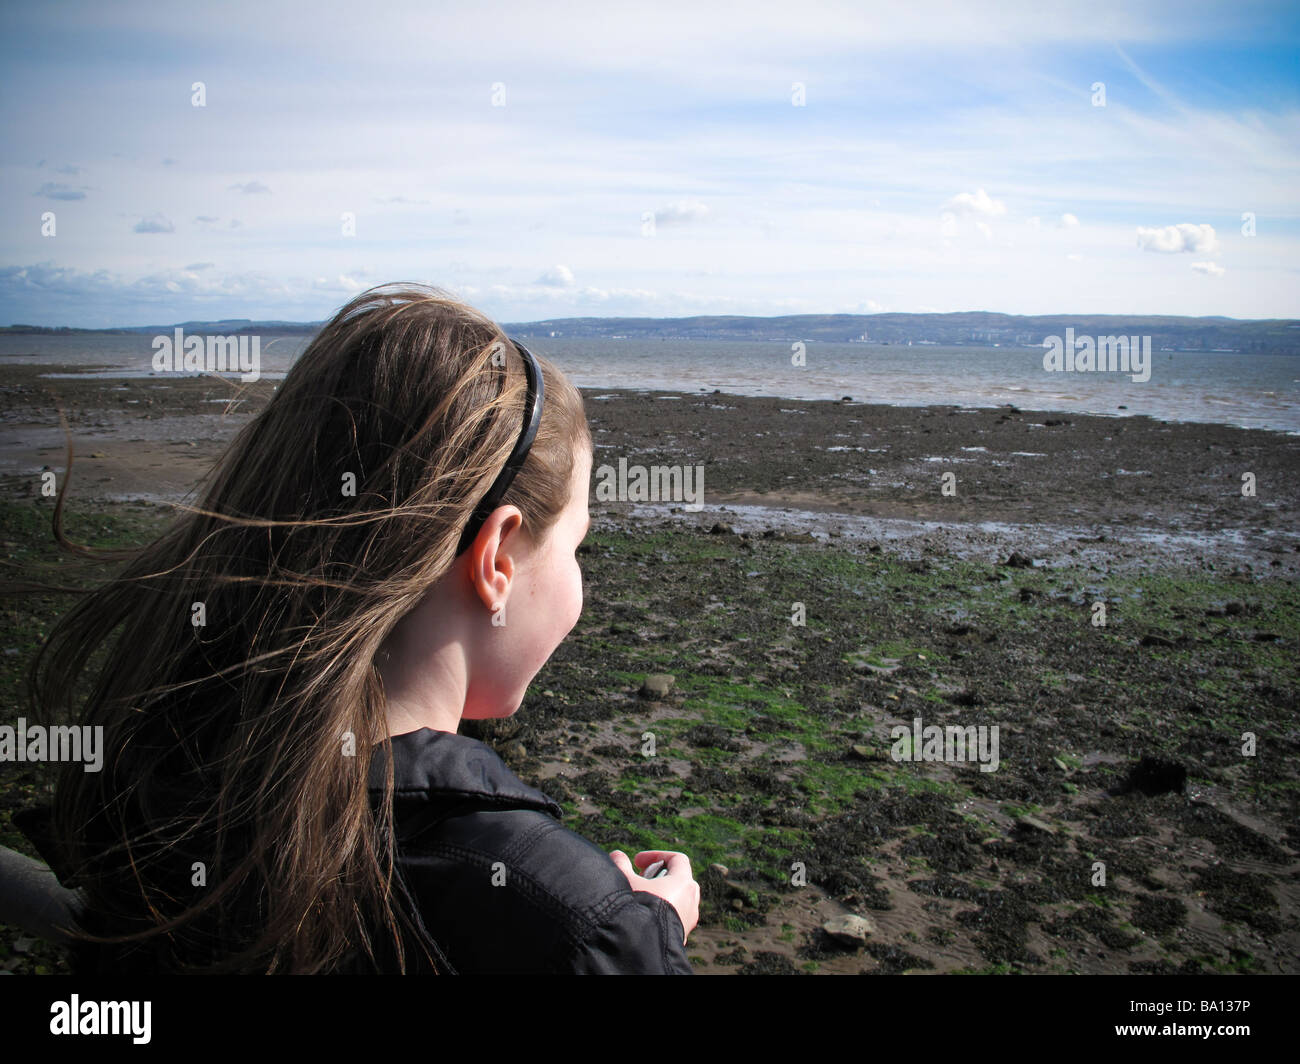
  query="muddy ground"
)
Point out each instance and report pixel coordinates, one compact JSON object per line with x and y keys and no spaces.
{"x":773,"y":760}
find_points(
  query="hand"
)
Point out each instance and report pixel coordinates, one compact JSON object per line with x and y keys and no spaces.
{"x":678,"y":888}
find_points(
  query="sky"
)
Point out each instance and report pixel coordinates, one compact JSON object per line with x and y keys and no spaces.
{"x":185,"y":161}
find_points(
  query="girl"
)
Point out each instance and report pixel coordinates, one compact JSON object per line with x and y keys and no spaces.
{"x":387,"y":548}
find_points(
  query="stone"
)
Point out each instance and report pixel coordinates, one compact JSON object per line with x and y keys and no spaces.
{"x":657,"y":685}
{"x":850,"y":928}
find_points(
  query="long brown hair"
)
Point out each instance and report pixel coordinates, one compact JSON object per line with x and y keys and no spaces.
{"x":230,"y":828}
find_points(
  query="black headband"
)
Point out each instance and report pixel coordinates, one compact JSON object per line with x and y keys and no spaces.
{"x":532,"y":418}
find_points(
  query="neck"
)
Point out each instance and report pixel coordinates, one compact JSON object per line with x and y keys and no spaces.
{"x":425,"y":691}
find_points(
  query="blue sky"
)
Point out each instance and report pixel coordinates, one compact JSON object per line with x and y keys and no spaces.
{"x":603,"y":159}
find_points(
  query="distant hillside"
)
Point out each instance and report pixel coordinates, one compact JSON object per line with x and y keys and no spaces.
{"x":225,"y":327}
{"x":1281,"y":336}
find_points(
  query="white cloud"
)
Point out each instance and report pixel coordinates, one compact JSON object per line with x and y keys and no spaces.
{"x":55,"y":191}
{"x":1213,"y":269}
{"x":681,"y":213}
{"x":155,"y":223}
{"x":557,"y":277}
{"x":1068,"y":221}
{"x":1035,"y":222}
{"x":984,"y":228}
{"x":251,"y":188}
{"x":979,"y":202}
{"x":1175,"y":238}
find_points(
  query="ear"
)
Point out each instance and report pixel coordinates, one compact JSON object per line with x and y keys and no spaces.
{"x":491,"y":566}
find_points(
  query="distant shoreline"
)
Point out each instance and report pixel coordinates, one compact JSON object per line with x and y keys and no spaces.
{"x":962,"y":328}
{"x":594,"y":392}
{"x":1148,"y":487}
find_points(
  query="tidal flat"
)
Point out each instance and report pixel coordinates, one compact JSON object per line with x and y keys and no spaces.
{"x":821,"y":599}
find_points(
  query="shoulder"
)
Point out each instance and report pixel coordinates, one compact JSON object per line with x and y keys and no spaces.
{"x":499,"y":882}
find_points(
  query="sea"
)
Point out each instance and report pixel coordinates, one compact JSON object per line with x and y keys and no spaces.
{"x":1247,"y":390}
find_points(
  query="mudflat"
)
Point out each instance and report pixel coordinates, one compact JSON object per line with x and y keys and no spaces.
{"x":851,"y":575}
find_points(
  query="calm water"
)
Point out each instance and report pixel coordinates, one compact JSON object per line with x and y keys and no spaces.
{"x":1254,"y":391}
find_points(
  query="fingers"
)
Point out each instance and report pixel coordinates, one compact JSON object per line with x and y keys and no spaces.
{"x":621,"y":862}
{"x":676,"y":862}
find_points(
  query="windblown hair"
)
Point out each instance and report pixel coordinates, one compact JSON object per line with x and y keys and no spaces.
{"x":238,"y":751}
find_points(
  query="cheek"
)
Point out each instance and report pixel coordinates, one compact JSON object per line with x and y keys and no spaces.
{"x":575,"y":585}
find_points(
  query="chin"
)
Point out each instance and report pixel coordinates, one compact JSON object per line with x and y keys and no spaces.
{"x":499,"y":711}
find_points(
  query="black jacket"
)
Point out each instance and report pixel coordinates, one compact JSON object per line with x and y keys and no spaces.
{"x":499,"y":884}
{"x":464,"y":824}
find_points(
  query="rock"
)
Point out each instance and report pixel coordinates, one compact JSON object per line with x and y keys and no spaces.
{"x":720,"y":529}
{"x":1060,"y":764}
{"x":867,"y":753}
{"x":850,"y":928}
{"x":1030,"y":823}
{"x":657,"y":685}
{"x":720,"y":869}
{"x":1156,"y":775}
{"x":1019,"y":561}
{"x":513,"y":751}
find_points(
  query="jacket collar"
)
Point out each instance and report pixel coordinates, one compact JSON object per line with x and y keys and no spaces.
{"x":433,"y":767}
